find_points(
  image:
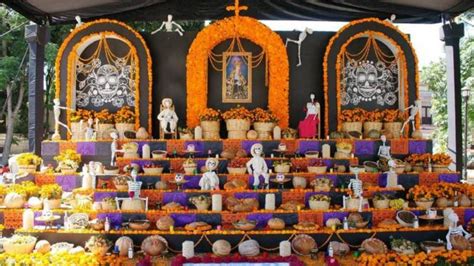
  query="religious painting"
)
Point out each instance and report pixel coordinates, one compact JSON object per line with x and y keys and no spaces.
{"x":237,"y":77}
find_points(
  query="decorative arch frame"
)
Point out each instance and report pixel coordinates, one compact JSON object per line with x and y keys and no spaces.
{"x":134,"y":39}
{"x":242,"y":27}
{"x":387,"y":33}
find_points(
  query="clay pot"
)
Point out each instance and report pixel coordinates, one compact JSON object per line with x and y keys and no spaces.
{"x":142,"y":133}
{"x":164,"y":223}
{"x":303,"y":244}
{"x":459,"y":242}
{"x":464,"y":201}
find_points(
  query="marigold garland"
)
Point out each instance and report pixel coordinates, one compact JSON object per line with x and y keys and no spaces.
{"x":228,"y":28}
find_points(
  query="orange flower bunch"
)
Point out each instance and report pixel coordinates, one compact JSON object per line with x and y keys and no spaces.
{"x":434,"y":258}
{"x":261,"y":115}
{"x":447,"y":190}
{"x":392,"y":115}
{"x":374,"y":116}
{"x":353,"y":115}
{"x":441,"y":159}
{"x":104,"y":116}
{"x":81,"y":114}
{"x":418,"y":158}
{"x":210,"y":114}
{"x":421,"y":192}
{"x":125,"y":115}
{"x":238,"y":112}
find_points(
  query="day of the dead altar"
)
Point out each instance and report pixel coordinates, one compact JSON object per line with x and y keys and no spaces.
{"x":236,"y":144}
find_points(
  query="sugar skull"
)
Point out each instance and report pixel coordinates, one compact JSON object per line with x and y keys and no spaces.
{"x":256,"y":150}
{"x":179,"y":178}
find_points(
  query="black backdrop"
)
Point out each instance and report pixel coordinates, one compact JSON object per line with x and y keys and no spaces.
{"x":169,"y":52}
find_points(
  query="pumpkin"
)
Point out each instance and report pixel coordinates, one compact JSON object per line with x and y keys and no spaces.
{"x":249,"y":248}
{"x":42,"y":246}
{"x":14,"y":200}
{"x":302,"y":244}
{"x":221,"y":248}
{"x":252,"y":134}
{"x":164,"y":223}
{"x":154,"y":245}
{"x":123,"y":244}
{"x":133,"y":205}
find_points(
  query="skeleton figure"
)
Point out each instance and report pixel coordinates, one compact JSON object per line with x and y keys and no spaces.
{"x":167,"y":116}
{"x":355,"y":184}
{"x":90,"y":132}
{"x":57,"y":112}
{"x":384,"y":150}
{"x":300,"y":40}
{"x":169,"y":26}
{"x":114,"y":148}
{"x":257,"y":165}
{"x":455,"y":229}
{"x":414,"y":110}
{"x":392,"y":177}
{"x":210,"y":180}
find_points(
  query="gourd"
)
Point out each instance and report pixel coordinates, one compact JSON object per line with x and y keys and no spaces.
{"x":14,"y":200}
{"x":154,"y":245}
{"x":133,"y":205}
{"x":221,"y":248}
{"x":123,"y":244}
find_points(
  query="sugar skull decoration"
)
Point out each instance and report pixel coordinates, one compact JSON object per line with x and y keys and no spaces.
{"x":179,"y":178}
{"x":210,"y":180}
{"x":368,"y":81}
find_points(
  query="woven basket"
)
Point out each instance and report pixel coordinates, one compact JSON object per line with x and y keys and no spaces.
{"x":418,"y":168}
{"x":54,"y":203}
{"x":352,"y":126}
{"x":68,"y":170}
{"x":236,"y":170}
{"x":353,"y":203}
{"x":317,"y":169}
{"x":368,"y":126}
{"x":77,"y":133}
{"x":27,"y":168}
{"x":153,"y":171}
{"x":393,"y":128}
{"x":122,"y":127}
{"x":189,"y":170}
{"x":18,"y":248}
{"x":439,"y":168}
{"x":381,"y":204}
{"x":284,"y":169}
{"x":103,"y":130}
{"x":237,"y":128}
{"x":424,"y":204}
{"x":210,"y":129}
{"x":264,"y":129}
{"x":319,"y":205}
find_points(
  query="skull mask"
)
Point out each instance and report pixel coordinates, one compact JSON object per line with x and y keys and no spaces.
{"x":366,"y":79}
{"x":107,"y":82}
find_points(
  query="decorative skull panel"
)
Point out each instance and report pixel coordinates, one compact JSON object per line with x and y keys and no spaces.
{"x":368,"y":82}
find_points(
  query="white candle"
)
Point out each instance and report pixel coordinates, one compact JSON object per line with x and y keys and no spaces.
{"x":28,"y":219}
{"x":270,"y":202}
{"x":188,"y":249}
{"x":285,"y":248}
{"x":216,"y":202}
{"x":146,"y":153}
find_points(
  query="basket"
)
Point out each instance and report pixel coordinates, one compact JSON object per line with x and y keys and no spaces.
{"x":353,"y":203}
{"x":186,"y":136}
{"x":264,"y":129}
{"x":237,"y":128}
{"x":393,"y":128}
{"x":319,"y":205}
{"x":317,"y":169}
{"x":18,"y":248}
{"x":122,"y":127}
{"x":235,"y":134}
{"x":381,"y":204}
{"x":158,"y":154}
{"x":424,"y":204}
{"x":31,"y":168}
{"x":54,"y":203}
{"x":103,"y":130}
{"x":153,"y":171}
{"x":282,"y":168}
{"x":368,"y":126}
{"x":418,"y":168}
{"x":210,"y":129}
{"x":236,"y":170}
{"x":190,"y":169}
{"x":439,"y":168}
{"x":68,"y":170}
{"x":352,"y":126}
{"x":76,"y":131}
{"x":202,"y":206}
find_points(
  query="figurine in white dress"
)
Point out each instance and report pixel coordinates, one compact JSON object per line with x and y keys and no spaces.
{"x":310,"y":126}
{"x":257,"y":165}
{"x":210,"y":180}
{"x":414,"y":110}
{"x":168,"y":116}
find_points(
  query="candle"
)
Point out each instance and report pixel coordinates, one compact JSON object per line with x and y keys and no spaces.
{"x":272,"y":156}
{"x":188,"y":249}
{"x":327,"y":137}
{"x":146,"y":154}
{"x":171,"y":229}
{"x":216,"y":202}
{"x":217,"y":156}
{"x":28,"y":219}
{"x":352,"y":155}
{"x":285,"y":248}
{"x":270,"y":202}
{"x":298,"y":208}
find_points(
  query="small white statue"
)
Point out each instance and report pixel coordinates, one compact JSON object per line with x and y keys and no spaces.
{"x":169,"y":26}
{"x":257,"y":165}
{"x":384,"y":150}
{"x":57,"y":113}
{"x":210,"y":180}
{"x":78,"y":22}
{"x":455,"y":229}
{"x":300,"y":40}
{"x":90,"y":132}
{"x":355,"y":184}
{"x":167,"y":116}
{"x":392,"y":177}
{"x":114,"y":148}
{"x":414,"y":110}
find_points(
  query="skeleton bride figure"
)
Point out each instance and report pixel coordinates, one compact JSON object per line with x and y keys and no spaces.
{"x":167,"y":116}
{"x":455,"y":230}
{"x":210,"y":180}
{"x":169,"y":26}
{"x":300,"y":40}
{"x":257,"y":165}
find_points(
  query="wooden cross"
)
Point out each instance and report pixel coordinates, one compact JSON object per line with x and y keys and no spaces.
{"x":236,"y":8}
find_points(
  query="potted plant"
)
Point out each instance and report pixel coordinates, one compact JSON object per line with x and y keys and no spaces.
{"x":190,"y":166}
{"x":185,"y":133}
{"x":441,"y":162}
{"x":104,"y":123}
{"x":352,"y":119}
{"x":28,"y":162}
{"x":319,"y":202}
{"x":153,"y":169}
{"x":108,"y":204}
{"x":51,"y":193}
{"x":237,"y":121}
{"x":392,"y":123}
{"x":373,"y":121}
{"x":78,"y":131}
{"x":68,"y":161}
{"x":202,"y":202}
{"x":237,"y":166}
{"x":282,"y":166}
{"x":264,"y":122}
{"x":98,"y":245}
{"x":422,"y":195}
{"x":210,"y":120}
{"x":317,"y":166}
{"x":124,"y":120}
{"x":381,"y":201}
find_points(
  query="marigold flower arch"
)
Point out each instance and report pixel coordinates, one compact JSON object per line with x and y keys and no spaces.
{"x":228,"y":28}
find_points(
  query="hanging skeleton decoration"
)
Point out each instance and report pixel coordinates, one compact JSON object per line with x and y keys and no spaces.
{"x":300,"y":40}
{"x":366,"y":81}
{"x":168,"y":25}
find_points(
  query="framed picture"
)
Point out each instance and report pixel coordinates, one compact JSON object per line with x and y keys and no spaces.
{"x":237,"y":77}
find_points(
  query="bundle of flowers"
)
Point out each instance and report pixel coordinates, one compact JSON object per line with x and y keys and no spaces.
{"x":125,"y":115}
{"x":104,"y":117}
{"x":238,"y":163}
{"x":421,"y":192}
{"x":374,"y":116}
{"x":238,"y":112}
{"x":68,"y":158}
{"x":27,"y":189}
{"x":28,"y":159}
{"x":353,"y":115}
{"x":414,"y":159}
{"x":81,"y":114}
{"x":210,"y":114}
{"x":392,"y":115}
{"x":441,"y":159}
{"x":260,"y":115}
{"x":51,"y":191}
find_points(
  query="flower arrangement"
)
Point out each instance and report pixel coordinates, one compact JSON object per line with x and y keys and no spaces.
{"x":125,"y":115}
{"x":281,"y":163}
{"x":320,"y":197}
{"x":28,"y":159}
{"x":98,"y":244}
{"x":392,"y":115}
{"x":104,"y":116}
{"x":238,"y":112}
{"x":441,"y":159}
{"x":68,"y":159}
{"x":260,"y":115}
{"x":81,"y":114}
{"x":210,"y":114}
{"x":26,"y":189}
{"x":415,"y":159}
{"x":374,"y":116}
{"x":421,"y":193}
{"x":353,"y":115}
{"x":51,"y":191}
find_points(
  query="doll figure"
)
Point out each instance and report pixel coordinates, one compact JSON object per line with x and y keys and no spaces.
{"x":210,"y":180}
{"x":167,"y":116}
{"x":384,"y":150}
{"x":307,"y":127}
{"x":257,"y":165}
